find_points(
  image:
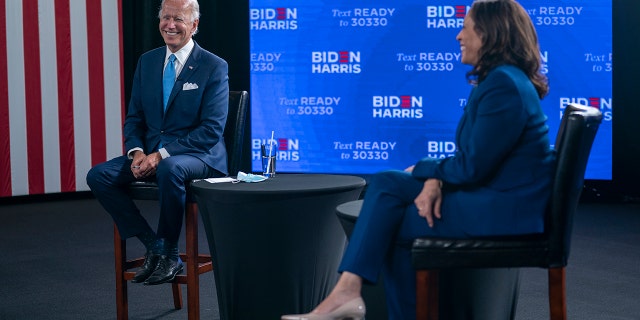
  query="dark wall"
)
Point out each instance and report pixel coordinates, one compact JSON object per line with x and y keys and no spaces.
{"x":626,"y":93}
{"x":224,"y":31}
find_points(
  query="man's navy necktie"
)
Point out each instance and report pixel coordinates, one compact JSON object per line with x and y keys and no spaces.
{"x":168,"y":79}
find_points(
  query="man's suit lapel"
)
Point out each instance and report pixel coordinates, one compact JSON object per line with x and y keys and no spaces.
{"x":185,"y":74}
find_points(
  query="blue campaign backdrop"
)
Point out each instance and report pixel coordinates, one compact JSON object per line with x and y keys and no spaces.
{"x":362,"y":86}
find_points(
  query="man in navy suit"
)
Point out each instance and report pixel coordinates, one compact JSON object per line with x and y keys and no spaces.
{"x":173,"y":134}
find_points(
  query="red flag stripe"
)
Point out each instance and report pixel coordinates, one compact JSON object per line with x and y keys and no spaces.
{"x":96,"y":82}
{"x":65,"y":96}
{"x":33,"y":98}
{"x":5,"y":142}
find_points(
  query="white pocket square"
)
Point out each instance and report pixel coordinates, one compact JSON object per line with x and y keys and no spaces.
{"x":189,"y":86}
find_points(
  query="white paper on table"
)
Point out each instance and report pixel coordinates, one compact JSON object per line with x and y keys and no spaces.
{"x":219,"y":180}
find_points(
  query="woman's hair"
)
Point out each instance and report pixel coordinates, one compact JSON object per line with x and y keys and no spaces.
{"x":508,"y":37}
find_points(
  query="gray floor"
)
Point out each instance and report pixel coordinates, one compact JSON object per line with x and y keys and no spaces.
{"x":57,"y":263}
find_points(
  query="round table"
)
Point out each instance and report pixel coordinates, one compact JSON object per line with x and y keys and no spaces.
{"x":276,"y":244}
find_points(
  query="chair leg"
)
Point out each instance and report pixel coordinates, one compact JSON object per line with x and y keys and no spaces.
{"x":120,"y":250}
{"x":427,"y":295}
{"x":193,"y":277}
{"x":557,"y":294}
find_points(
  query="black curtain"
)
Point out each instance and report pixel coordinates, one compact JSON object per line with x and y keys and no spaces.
{"x":223,"y":30}
{"x":626,"y":145}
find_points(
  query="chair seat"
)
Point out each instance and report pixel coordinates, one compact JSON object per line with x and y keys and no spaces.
{"x":143,"y":190}
{"x":148,"y":190}
{"x":503,"y":252}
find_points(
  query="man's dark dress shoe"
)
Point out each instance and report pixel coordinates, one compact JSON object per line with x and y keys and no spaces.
{"x":148,"y":267}
{"x":166,"y":271}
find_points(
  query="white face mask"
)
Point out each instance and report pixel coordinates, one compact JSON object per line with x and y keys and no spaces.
{"x":248,"y":177}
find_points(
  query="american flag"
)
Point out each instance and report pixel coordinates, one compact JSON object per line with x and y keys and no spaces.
{"x":61,"y":92}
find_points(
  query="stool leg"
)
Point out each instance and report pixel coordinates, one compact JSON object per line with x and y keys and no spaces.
{"x":557,"y":294}
{"x":427,"y":294}
{"x":120,"y":250}
{"x":193,"y":281}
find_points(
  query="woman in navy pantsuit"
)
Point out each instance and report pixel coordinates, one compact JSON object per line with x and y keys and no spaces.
{"x":497,"y":183}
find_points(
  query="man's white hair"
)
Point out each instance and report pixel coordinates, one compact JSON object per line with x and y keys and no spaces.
{"x":193,"y":6}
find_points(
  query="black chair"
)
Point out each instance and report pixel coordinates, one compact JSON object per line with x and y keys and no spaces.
{"x":196,"y":263}
{"x":549,"y":250}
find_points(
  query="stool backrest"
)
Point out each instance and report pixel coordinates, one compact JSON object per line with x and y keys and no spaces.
{"x":234,"y":129}
{"x":573,"y":145}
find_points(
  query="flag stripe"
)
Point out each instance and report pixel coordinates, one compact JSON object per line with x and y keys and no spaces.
{"x":114,"y":105}
{"x":33,"y":99}
{"x":96,"y":82}
{"x":61,"y":92}
{"x":49,"y":85}
{"x":81,"y":112}
{"x":5,"y":148}
{"x":65,"y":96}
{"x":17,"y":110}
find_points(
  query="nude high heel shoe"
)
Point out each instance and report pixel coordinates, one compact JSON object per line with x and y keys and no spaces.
{"x":352,"y":310}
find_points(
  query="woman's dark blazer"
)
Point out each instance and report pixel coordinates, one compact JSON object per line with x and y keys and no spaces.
{"x":499,"y":179}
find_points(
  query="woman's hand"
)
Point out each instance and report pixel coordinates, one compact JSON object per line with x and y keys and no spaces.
{"x":429,"y":200}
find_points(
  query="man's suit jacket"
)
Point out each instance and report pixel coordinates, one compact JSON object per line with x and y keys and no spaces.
{"x":499,"y":179}
{"x":196,"y":113}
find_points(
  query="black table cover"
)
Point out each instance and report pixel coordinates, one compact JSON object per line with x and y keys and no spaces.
{"x":275,"y":245}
